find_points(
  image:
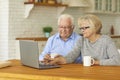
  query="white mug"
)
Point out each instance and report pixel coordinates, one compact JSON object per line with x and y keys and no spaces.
{"x":88,"y":61}
{"x":53,"y":55}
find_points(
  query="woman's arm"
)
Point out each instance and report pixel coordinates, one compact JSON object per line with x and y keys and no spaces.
{"x":72,"y":55}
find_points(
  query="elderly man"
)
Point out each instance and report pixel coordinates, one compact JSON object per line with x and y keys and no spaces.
{"x":63,"y":41}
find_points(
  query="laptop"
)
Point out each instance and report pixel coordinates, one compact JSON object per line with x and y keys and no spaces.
{"x":29,"y":55}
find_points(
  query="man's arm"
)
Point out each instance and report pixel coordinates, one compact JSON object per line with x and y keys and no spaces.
{"x":46,"y":49}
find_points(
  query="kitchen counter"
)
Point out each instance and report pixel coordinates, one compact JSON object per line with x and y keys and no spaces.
{"x":115,"y":36}
{"x":45,"y":39}
{"x":33,"y":38}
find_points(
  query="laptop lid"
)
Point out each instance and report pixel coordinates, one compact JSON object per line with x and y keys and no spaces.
{"x":29,"y":53}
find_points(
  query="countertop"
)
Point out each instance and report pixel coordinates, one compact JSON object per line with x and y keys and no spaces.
{"x":115,"y":36}
{"x":33,"y":38}
{"x":45,"y":39}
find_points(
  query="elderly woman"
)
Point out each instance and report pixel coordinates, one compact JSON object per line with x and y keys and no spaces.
{"x":94,"y":44}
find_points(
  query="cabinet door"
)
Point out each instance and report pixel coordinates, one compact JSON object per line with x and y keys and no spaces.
{"x":118,"y":6}
{"x":95,"y":6}
{"x":104,"y":6}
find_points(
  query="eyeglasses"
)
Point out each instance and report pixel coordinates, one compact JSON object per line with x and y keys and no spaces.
{"x":84,"y":28}
{"x":65,"y":27}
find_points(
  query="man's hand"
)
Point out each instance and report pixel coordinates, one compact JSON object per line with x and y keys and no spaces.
{"x":53,"y":61}
{"x":58,"y":60}
{"x":47,"y":58}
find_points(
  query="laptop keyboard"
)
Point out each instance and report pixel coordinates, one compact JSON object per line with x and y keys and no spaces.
{"x":48,"y":66}
{"x":44,"y":66}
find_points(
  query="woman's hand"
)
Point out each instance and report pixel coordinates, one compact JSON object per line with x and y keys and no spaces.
{"x":58,"y":60}
{"x":96,"y":62}
{"x":53,"y":61}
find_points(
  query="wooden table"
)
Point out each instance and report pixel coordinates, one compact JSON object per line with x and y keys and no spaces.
{"x":67,"y":72}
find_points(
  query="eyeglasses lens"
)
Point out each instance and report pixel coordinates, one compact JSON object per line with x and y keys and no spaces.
{"x":84,"y":28}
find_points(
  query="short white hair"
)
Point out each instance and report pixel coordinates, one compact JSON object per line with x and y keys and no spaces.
{"x":66,"y":16}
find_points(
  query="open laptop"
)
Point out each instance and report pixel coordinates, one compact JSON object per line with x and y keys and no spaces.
{"x":29,"y":54}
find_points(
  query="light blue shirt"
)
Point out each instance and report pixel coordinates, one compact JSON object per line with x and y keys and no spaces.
{"x":56,"y":45}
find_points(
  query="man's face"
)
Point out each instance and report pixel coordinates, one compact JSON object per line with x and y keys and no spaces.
{"x":65,"y":28}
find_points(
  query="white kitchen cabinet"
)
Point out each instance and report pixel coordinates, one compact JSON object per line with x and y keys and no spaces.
{"x":104,"y":6}
{"x":91,"y":6}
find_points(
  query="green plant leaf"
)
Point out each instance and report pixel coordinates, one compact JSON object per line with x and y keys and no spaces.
{"x":47,"y":29}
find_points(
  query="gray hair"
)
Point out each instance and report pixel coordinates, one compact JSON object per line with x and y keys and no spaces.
{"x":66,"y":16}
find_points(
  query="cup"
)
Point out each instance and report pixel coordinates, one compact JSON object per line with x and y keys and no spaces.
{"x":88,"y":61}
{"x":53,"y":55}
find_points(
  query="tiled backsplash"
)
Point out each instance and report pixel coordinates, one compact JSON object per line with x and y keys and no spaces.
{"x":42,"y":16}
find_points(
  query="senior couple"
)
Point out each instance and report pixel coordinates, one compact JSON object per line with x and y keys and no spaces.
{"x":71,"y":47}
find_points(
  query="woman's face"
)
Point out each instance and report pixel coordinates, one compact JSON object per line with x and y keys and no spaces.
{"x":87,"y":29}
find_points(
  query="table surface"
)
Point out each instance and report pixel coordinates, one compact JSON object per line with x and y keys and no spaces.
{"x":67,"y":72}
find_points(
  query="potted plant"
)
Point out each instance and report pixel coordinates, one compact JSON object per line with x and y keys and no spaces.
{"x":47,"y":30}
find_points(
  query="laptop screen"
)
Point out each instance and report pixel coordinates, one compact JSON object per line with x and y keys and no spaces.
{"x":29,"y":53}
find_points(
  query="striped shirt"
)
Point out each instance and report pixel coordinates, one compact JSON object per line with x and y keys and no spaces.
{"x":103,"y":50}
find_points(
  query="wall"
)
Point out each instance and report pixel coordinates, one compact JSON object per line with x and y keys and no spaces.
{"x":40,"y":17}
{"x":30,"y":27}
{"x":4,"y":29}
